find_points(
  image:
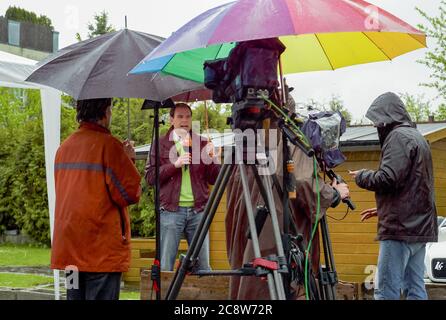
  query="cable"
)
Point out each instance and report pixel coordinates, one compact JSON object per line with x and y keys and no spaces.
{"x":318,"y":208}
{"x":345,"y":215}
{"x":301,"y":135}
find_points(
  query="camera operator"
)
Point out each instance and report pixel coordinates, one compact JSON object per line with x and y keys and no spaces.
{"x":303,"y":212}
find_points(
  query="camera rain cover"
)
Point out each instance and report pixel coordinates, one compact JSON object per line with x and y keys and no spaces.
{"x":324,"y":130}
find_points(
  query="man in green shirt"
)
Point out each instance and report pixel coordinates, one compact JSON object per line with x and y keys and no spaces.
{"x":184,"y":185}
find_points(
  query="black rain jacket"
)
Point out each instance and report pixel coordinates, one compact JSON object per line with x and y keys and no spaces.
{"x":404,"y":182}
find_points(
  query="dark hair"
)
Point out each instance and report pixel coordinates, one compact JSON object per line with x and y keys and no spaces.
{"x":179,"y":105}
{"x":92,"y":110}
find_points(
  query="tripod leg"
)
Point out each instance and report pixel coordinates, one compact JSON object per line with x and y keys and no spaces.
{"x":277,"y":235}
{"x":266,"y":191}
{"x":330,"y":270}
{"x":200,"y":234}
{"x":252,"y":226}
{"x":261,"y":186}
{"x":214,"y":200}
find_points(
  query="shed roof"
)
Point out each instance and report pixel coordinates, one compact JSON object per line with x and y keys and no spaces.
{"x":362,"y":138}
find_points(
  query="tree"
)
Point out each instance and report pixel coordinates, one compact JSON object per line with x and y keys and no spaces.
{"x":217,"y":116}
{"x":98,"y":27}
{"x":435,"y":57}
{"x":418,"y":108}
{"x":23,"y":191}
{"x":19,"y":14}
{"x":336,"y":104}
{"x":441,"y":112}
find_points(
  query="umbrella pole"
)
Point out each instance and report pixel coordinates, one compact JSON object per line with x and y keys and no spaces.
{"x":157,"y":276}
{"x":282,"y":84}
{"x":128,"y":119}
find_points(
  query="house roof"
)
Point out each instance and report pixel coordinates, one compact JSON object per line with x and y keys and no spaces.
{"x":356,"y":138}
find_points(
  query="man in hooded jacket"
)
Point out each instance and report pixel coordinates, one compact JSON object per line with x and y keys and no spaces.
{"x":404,"y":191}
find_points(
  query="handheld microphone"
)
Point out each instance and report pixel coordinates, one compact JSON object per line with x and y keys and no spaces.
{"x":348,"y":201}
{"x":187,"y":148}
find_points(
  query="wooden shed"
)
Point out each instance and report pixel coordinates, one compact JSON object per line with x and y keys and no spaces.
{"x":354,"y":245}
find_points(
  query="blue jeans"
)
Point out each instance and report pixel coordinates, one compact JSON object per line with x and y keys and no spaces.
{"x":173,"y":226}
{"x":400,"y":269}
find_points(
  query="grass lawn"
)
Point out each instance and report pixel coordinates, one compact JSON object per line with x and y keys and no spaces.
{"x":14,"y":280}
{"x":23,"y":255}
{"x":129,"y":295}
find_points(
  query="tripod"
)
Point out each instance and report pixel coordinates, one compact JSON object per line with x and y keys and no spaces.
{"x":271,"y":267}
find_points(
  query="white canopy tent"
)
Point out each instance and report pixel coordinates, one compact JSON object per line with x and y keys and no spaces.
{"x":13,"y":72}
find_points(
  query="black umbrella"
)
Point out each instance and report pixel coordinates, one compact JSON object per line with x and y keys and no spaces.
{"x":98,"y":68}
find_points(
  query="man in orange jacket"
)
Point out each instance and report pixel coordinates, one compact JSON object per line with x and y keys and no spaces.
{"x":96,"y":180}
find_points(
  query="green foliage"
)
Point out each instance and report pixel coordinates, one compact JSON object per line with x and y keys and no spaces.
{"x":435,"y":58}
{"x":418,"y":108}
{"x":441,"y":112}
{"x":23,"y":191}
{"x":68,"y":123}
{"x":98,"y":27}
{"x":21,"y":163}
{"x":140,"y":124}
{"x":217,"y":115}
{"x":7,"y":141}
{"x":19,"y":14}
{"x":139,"y":130}
{"x":336,"y":104}
{"x":143,"y":213}
{"x":29,"y":188}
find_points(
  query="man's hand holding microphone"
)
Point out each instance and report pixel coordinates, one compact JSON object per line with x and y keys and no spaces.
{"x":185,"y":159}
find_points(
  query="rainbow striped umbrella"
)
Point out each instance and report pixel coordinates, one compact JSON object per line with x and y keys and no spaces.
{"x":318,"y":35}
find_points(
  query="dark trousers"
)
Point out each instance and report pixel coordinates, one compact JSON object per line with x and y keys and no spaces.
{"x":93,"y":285}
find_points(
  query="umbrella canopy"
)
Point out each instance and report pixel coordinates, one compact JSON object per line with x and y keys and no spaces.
{"x":318,"y":35}
{"x":98,"y":68}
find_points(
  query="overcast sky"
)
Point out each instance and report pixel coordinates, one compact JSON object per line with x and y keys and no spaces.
{"x":357,"y":86}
